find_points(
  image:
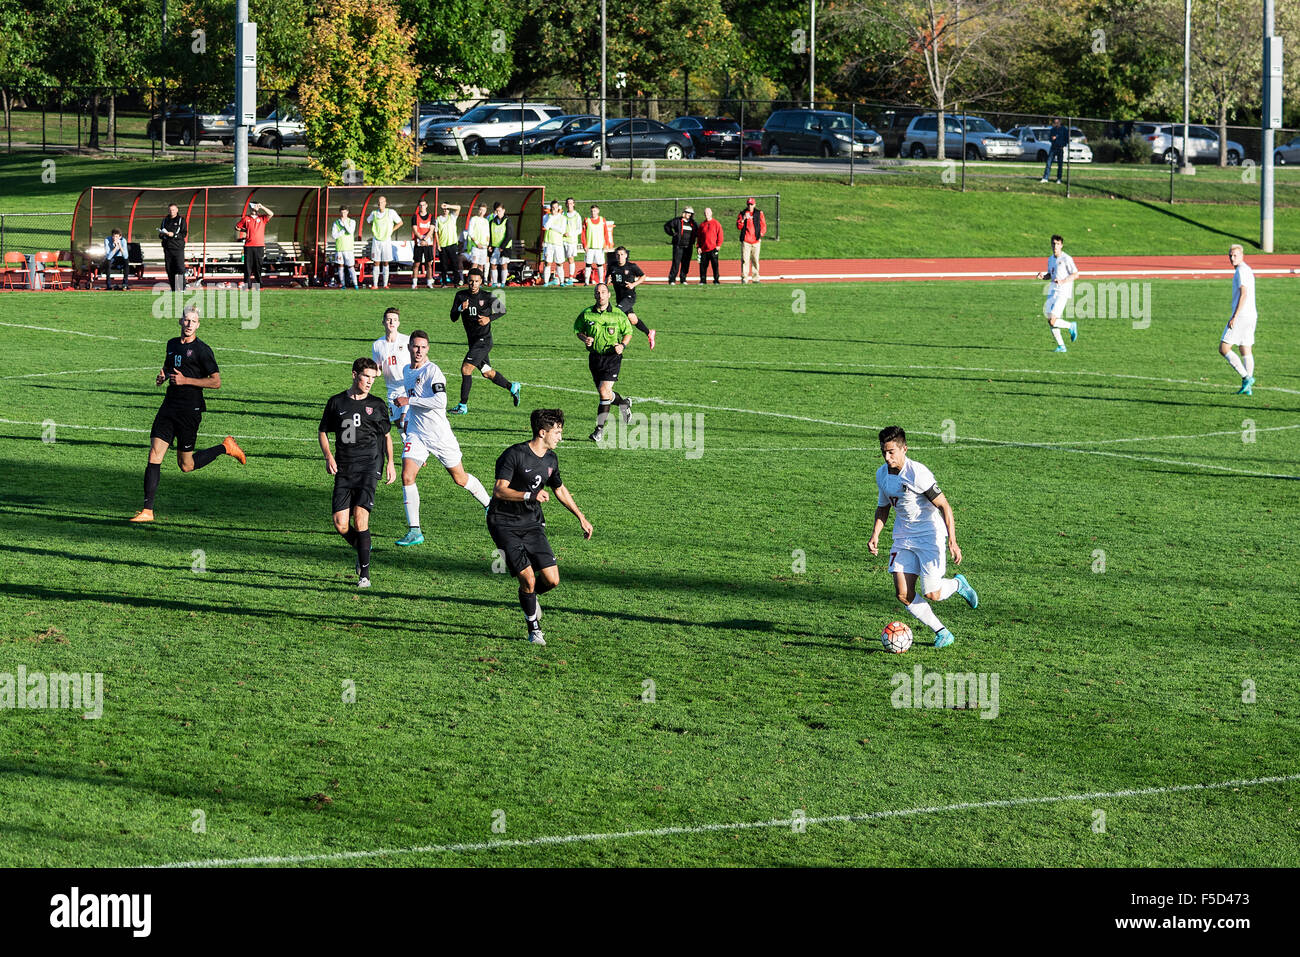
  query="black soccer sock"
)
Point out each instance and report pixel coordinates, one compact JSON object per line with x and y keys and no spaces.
{"x":640,"y":324}
{"x":619,"y":400}
{"x":204,"y":456}
{"x":350,"y":536}
{"x":602,"y":413}
{"x":502,"y":381}
{"x":152,"y":473}
{"x":465,"y":382}
{"x":363,"y":552}
{"x":528,"y":602}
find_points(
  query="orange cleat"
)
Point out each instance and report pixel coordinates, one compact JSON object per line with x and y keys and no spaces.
{"x":144,"y":515}
{"x":233,"y":450}
{"x":651,"y":337}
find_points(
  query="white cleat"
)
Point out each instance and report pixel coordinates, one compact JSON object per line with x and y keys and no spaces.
{"x":363,"y":583}
{"x":535,"y":637}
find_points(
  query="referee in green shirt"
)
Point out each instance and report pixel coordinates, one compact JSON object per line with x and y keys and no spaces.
{"x":606,"y":331}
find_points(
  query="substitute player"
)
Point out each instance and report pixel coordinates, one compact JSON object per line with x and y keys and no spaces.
{"x":476,"y":308}
{"x":572,"y":233}
{"x":362,"y":433}
{"x":1062,"y":272}
{"x":1240,"y":330}
{"x":625,"y":277}
{"x":596,"y":235}
{"x":392,"y":356}
{"x":923,"y":521}
{"x":514,"y":518}
{"x":605,"y":330}
{"x":427,"y":433}
{"x":422,"y":245}
{"x":553,"y":226}
{"x":501,"y":238}
{"x":188,"y":369}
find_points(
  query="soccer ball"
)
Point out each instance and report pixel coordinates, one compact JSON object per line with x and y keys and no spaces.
{"x":896,"y":637}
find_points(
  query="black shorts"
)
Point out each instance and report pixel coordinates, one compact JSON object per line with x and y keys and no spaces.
{"x":423,"y":254}
{"x":354,"y":490}
{"x":628,"y":303}
{"x":179,"y":423}
{"x":478,"y":353}
{"x":604,"y":368}
{"x":522,"y":547}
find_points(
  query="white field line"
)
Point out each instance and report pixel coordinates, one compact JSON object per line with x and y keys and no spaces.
{"x":788,"y":822}
{"x":152,"y":368}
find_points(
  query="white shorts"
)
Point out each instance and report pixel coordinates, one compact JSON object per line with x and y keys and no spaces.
{"x":381,"y":251}
{"x":346,"y":259}
{"x":418,"y":448}
{"x":479,"y":257}
{"x":928,"y":563}
{"x":1242,"y":334}
{"x":570,"y":250}
{"x":499,"y":257}
{"x":595,"y":257}
{"x":1055,"y":304}
{"x":552,"y":253}
{"x":395,"y":412}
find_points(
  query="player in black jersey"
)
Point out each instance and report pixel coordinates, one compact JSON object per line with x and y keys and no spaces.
{"x":515,"y":521}
{"x":189,"y":368}
{"x":476,"y":309}
{"x":623,"y":278}
{"x":362,"y":434}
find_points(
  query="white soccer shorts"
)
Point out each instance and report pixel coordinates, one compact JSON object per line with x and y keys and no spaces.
{"x":595,"y":257}
{"x":381,"y":250}
{"x":570,"y":250}
{"x":1241,"y":334}
{"x":1055,"y":305}
{"x":418,"y":448}
{"x":927,"y":563}
{"x":499,"y":257}
{"x":552,"y":252}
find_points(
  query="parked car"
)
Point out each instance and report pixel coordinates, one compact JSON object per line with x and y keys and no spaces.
{"x":819,"y":133}
{"x":626,"y":137}
{"x":1287,"y":153}
{"x":280,"y":128}
{"x":892,"y":126}
{"x":1203,"y":144}
{"x":711,"y":135}
{"x":187,"y":125}
{"x":753,"y":142}
{"x":443,"y":108}
{"x":974,"y":135}
{"x":1036,"y":144}
{"x":482,"y":127}
{"x":541,"y":139}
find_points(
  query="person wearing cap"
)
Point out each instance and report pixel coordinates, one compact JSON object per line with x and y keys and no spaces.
{"x":753,"y":227}
{"x":710,"y":241}
{"x":682,"y":231}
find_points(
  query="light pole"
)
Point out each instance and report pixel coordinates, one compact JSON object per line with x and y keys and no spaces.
{"x":1184,"y":160}
{"x":603,"y":154}
{"x":812,"y":57}
{"x":1270,"y":120}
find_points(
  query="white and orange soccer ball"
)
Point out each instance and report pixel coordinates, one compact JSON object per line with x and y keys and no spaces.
{"x":896,"y":637}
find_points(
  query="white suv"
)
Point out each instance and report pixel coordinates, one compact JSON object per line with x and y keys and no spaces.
{"x":482,"y":127}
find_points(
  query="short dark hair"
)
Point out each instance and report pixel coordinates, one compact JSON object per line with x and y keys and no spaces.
{"x":476,"y":272}
{"x":418,"y":334}
{"x":394,"y":310}
{"x":620,"y":249}
{"x":892,"y":433}
{"x":543,"y":420}
{"x":1056,"y":238}
{"x":497,"y":205}
{"x":116,"y":232}
{"x":364,"y":364}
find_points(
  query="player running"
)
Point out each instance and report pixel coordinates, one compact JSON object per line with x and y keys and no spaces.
{"x":427,"y":433}
{"x":606,"y":331}
{"x":625,"y":277}
{"x":391,"y":355}
{"x":924,"y":520}
{"x":1240,"y":330}
{"x":188,"y":369}
{"x":362,"y":433}
{"x":515,"y":520}
{"x":476,"y":309}
{"x":1062,"y":272}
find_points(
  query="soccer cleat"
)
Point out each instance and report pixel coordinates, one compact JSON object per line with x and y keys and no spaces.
{"x":144,"y":515}
{"x":943,"y":638}
{"x":598,"y":434}
{"x":1246,"y":384}
{"x":233,"y":450}
{"x":964,"y":589}
{"x":363,"y":582}
{"x":651,"y":337}
{"x":568,"y":282}
{"x":1059,"y":349}
{"x":535,"y":637}
{"x":462,"y":409}
{"x":1074,"y":331}
{"x":413,"y":536}
{"x":514,"y":394}
{"x":625,"y":410}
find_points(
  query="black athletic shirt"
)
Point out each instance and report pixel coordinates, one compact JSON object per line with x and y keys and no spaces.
{"x":621,"y":276}
{"x":359,"y":427}
{"x":193,"y":360}
{"x":526,"y":473}
{"x":484,"y":303}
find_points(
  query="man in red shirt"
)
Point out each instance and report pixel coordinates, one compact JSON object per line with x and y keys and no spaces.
{"x":251,"y":228}
{"x":753,"y":227}
{"x":422,"y":237}
{"x":710,"y":241}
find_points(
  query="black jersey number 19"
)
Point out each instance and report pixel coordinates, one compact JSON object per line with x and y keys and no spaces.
{"x":350,"y":432}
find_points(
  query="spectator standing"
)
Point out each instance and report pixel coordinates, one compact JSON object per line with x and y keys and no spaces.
{"x":252,"y":229}
{"x":596,"y":233}
{"x":683,"y":232}
{"x":1060,"y":139}
{"x":753,"y":227}
{"x":501,"y":237}
{"x":115,"y":257}
{"x":173,"y":232}
{"x":344,"y":234}
{"x":383,"y":222}
{"x":710,"y":241}
{"x":422,"y":242}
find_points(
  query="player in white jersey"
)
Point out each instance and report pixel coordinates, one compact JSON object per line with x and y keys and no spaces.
{"x":391,"y":355}
{"x":1240,"y":330}
{"x":1062,"y":273}
{"x":427,"y":433}
{"x":923,"y":520}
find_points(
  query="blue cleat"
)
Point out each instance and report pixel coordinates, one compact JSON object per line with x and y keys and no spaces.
{"x":462,"y":409}
{"x":1246,"y":383}
{"x":1074,"y":331}
{"x":413,"y":537}
{"x":1060,"y":349}
{"x":943,"y":638}
{"x":514,"y":394}
{"x":964,"y":589}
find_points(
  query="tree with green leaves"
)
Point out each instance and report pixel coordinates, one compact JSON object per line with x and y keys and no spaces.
{"x":462,"y":43}
{"x":21,"y":52}
{"x":358,"y":91}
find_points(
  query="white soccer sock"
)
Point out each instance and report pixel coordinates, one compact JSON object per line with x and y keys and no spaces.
{"x":475,"y":488}
{"x":947,"y":588}
{"x":385,"y":274}
{"x":1249,"y":363}
{"x":546,"y":273}
{"x":920,"y":610}
{"x":1235,"y":363}
{"x":1056,"y":334}
{"x":411,"y":501}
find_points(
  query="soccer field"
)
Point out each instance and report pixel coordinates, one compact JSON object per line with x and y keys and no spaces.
{"x":713,"y":671}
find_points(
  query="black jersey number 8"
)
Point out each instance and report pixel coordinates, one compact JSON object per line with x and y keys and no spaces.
{"x":350,"y":433}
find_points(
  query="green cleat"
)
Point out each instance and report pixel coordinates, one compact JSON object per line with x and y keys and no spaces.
{"x":412,"y":537}
{"x":964,"y":589}
{"x":943,"y":638}
{"x":1246,"y":384}
{"x":514,"y":394}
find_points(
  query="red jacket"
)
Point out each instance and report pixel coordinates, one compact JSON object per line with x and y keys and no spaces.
{"x":748,"y":233}
{"x":709,"y":237}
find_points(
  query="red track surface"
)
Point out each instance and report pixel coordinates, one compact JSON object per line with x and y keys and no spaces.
{"x":1101,"y":267}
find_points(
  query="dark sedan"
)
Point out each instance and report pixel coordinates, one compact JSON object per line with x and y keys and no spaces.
{"x":711,"y":135}
{"x":541,"y":139}
{"x":627,"y":138}
{"x":186,"y":125}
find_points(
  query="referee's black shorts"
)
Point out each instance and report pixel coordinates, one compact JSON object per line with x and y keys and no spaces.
{"x":604,"y":367}
{"x":354,"y":490}
{"x":522,"y":547}
{"x":177,"y":422}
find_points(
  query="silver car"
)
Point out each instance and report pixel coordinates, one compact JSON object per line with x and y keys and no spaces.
{"x":981,"y":138}
{"x":1036,"y":144}
{"x":1203,"y":145}
{"x":481,"y":128}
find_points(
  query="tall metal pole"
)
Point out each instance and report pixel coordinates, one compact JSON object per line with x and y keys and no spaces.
{"x":604,"y":152}
{"x":1184,"y":160}
{"x":245,"y":83}
{"x":1270,"y":119}
{"x":812,"y":54}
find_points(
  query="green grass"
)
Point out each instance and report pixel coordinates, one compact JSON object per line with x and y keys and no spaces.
{"x":223,"y":686}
